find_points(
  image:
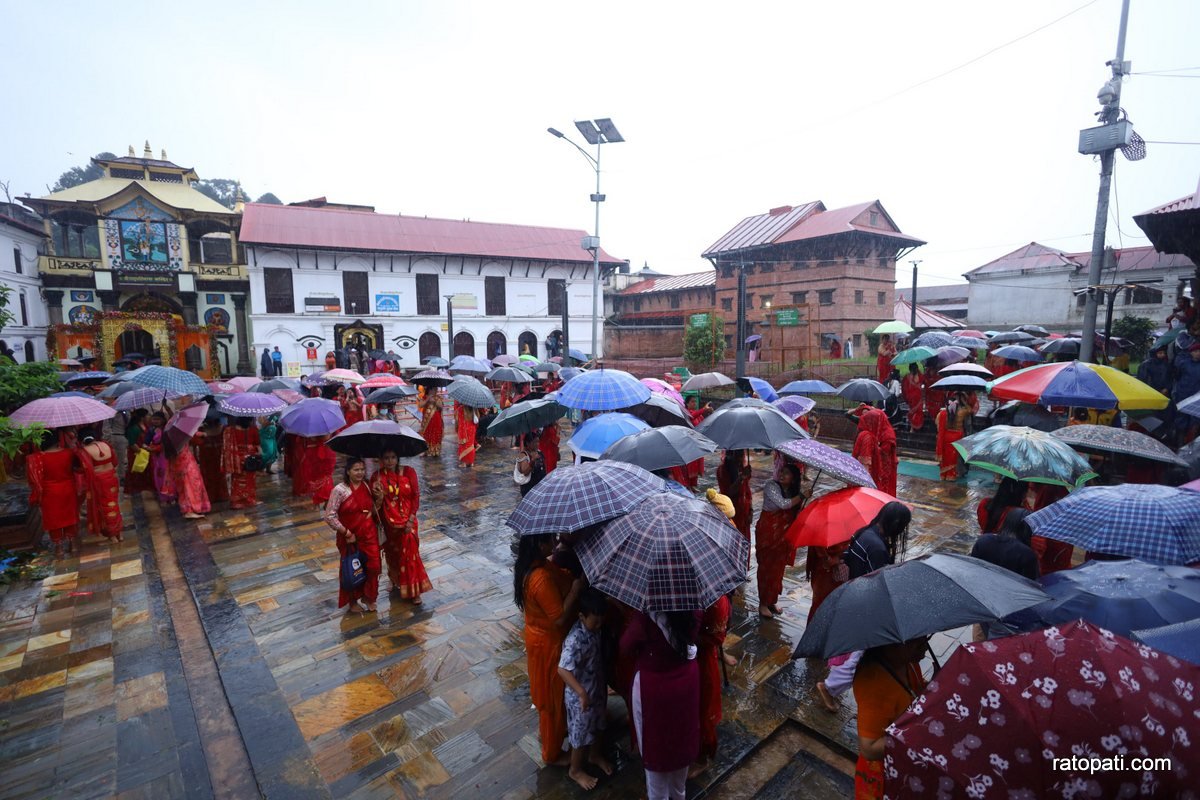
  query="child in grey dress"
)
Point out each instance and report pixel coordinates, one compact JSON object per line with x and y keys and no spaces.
{"x":585,"y":694}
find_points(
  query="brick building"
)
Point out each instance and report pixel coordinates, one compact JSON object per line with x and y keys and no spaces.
{"x":647,"y":317}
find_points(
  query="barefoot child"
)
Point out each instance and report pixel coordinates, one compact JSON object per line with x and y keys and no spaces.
{"x":585,"y":694}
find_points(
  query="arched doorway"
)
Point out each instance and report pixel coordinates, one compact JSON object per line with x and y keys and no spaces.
{"x":527,"y":344}
{"x":497,"y":344}
{"x":30,"y":356}
{"x":138,"y":342}
{"x":152,"y":303}
{"x":464,"y":344}
{"x":429,"y":346}
{"x":554,"y":343}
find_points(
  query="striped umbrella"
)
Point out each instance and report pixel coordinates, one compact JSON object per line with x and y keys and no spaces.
{"x":573,"y":498}
{"x":62,"y":412}
{"x":171,"y":379}
{"x":1078,"y":384}
{"x":144,"y":397}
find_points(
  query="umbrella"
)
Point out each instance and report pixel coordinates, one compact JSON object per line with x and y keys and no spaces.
{"x":1107,"y":439}
{"x":1012,"y":337}
{"x":436,"y":362}
{"x":313,"y":416}
{"x":526,"y":416}
{"x":504,"y":359}
{"x":669,"y":553}
{"x":1166,"y":338}
{"x":966,"y":369}
{"x":1036,"y":330}
{"x":1191,"y":454}
{"x":546,"y":366}
{"x":117,"y":389}
{"x":1056,"y":346}
{"x":974,"y":334}
{"x":470,"y":364}
{"x":567,"y":373}
{"x":84,"y":395}
{"x":1017,"y":352}
{"x":913,"y":355}
{"x":1181,"y":640}
{"x":659,"y":386}
{"x":508,"y":375}
{"x":933,"y":339}
{"x":528,"y":357}
{"x":660,"y":448}
{"x":1153,"y":523}
{"x":391,"y":394}
{"x":1001,"y":716}
{"x":93,"y":378}
{"x":1119,"y":596}
{"x":578,"y":355}
{"x":69,"y":362}
{"x":597,"y":434}
{"x":471,"y":393}
{"x":313,"y":381}
{"x":952,"y":355}
{"x":807,"y":387}
{"x":215,"y":387}
{"x":659,"y":410}
{"x":961,"y":383}
{"x":902,"y":602}
{"x":795,"y":405}
{"x":252,"y":404}
{"x":243,"y":383}
{"x":62,"y":412}
{"x":828,"y":460}
{"x":750,"y":424}
{"x":1079,"y":384}
{"x":370,"y":439}
{"x":764,"y":390}
{"x":432,"y":378}
{"x":275,"y":384}
{"x":291,"y":396}
{"x":603,"y":390}
{"x":1025,"y":454}
{"x":707,"y":380}
{"x":176,"y":380}
{"x":1190,"y":405}
{"x":834,"y":517}
{"x":750,"y":339}
{"x":382,"y":379}
{"x":343,"y":376}
{"x":864,"y":390}
{"x":969,"y":343}
{"x":893,"y":326}
{"x":182,"y":426}
{"x":572,"y":498}
{"x":143,"y":397}
{"x":1014,"y":412}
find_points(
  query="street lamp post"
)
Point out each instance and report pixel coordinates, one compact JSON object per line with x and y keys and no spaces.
{"x":450,"y":325}
{"x":597,"y":132}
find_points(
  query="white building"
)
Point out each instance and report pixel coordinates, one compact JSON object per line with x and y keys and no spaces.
{"x":21,"y":238}
{"x":326,"y":276}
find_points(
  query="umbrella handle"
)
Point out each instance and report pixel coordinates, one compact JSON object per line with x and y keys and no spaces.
{"x":724,"y":666}
{"x":937,"y":666}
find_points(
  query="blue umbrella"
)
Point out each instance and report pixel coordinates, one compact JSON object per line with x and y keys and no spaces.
{"x":469,"y":364}
{"x":170,"y":379}
{"x":1154,"y":523}
{"x":595,"y":435}
{"x":566,"y":373}
{"x":603,"y":390}
{"x":313,"y":416}
{"x":578,"y":355}
{"x":764,"y":390}
{"x":807,"y":387}
{"x":73,"y":394}
{"x":934,"y":339}
{"x":794,"y":406}
{"x":1181,"y":640}
{"x":1017,"y":353}
{"x":436,"y":362}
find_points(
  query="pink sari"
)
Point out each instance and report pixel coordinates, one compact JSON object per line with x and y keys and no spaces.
{"x":189,"y":484}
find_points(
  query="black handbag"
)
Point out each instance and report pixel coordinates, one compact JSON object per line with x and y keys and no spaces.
{"x":253,"y":463}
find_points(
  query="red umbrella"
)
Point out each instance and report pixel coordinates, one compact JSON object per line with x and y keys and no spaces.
{"x":180,"y":428}
{"x":383,"y":379}
{"x":970,"y":332}
{"x":833,"y":518}
{"x":1053,"y":713}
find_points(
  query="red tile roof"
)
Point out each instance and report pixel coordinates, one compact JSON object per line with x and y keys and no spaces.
{"x":338,"y":229}
{"x":809,"y":221}
{"x":670,"y":283}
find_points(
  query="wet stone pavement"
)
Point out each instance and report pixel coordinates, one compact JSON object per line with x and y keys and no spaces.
{"x":208,"y":659}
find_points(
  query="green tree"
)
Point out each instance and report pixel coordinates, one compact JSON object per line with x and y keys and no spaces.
{"x":77,"y":175}
{"x":704,"y":346}
{"x":222,"y":190}
{"x":269,"y":198}
{"x":1139,"y":331}
{"x":21,"y":383}
{"x":6,"y":316}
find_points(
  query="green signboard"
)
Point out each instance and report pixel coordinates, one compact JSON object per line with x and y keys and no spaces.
{"x":787,"y":316}
{"x":698,"y":320}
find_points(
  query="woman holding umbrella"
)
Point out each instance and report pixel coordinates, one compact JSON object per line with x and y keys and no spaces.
{"x":189,"y":484}
{"x":883,"y":361}
{"x":887,"y":681}
{"x":239,"y":442}
{"x":733,"y":481}
{"x":912,"y":388}
{"x":51,"y":475}
{"x":99,"y":463}
{"x":352,"y":512}
{"x":136,"y":482}
{"x":209,"y":442}
{"x":432,"y":426}
{"x":399,"y":496}
{"x":465,"y":422}
{"x":160,"y":465}
{"x":875,"y":447}
{"x":781,"y":500}
{"x":952,"y":422}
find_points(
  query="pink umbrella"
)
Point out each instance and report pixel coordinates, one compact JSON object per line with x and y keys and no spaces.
{"x":62,"y":412}
{"x":180,"y":428}
{"x":224,"y":387}
{"x":343,"y":376}
{"x":382,"y":379}
{"x":243,"y":384}
{"x":504,"y":359}
{"x":659,"y":386}
{"x":1193,"y":485}
{"x":289,"y":396}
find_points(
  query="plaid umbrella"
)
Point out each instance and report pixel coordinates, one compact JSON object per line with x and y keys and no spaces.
{"x":603,"y":390}
{"x":595,"y":435}
{"x":508,"y":375}
{"x":175,"y":380}
{"x":668,"y":553}
{"x":864,"y":390}
{"x":371,"y":438}
{"x":182,"y":426}
{"x":86,"y":378}
{"x":707,"y":380}
{"x":913,"y":355}
{"x":660,"y":448}
{"x":822,"y":457}
{"x":1190,"y":405}
{"x":572,"y":498}
{"x":143,"y":397}
{"x":933,"y":339}
{"x":313,"y":416}
{"x":1079,"y":384}
{"x":1025,"y":454}
{"x":525,"y":416}
{"x":62,"y":412}
{"x":795,"y":405}
{"x":749,"y":423}
{"x":1017,"y":353}
{"x":432,"y":377}
{"x":471,"y":393}
{"x":659,"y":410}
{"x":1153,"y":523}
{"x":1107,"y":439}
{"x":252,"y":404}
{"x":807,"y":387}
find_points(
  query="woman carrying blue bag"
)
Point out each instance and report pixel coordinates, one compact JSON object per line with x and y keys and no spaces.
{"x":352,"y":512}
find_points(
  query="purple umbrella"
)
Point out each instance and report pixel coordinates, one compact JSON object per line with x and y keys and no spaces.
{"x":145,"y":397}
{"x":952,"y":355}
{"x":62,"y":412}
{"x":252,"y":404}
{"x":181,"y":427}
{"x":795,"y":405}
{"x":313,"y":416}
{"x":659,"y":386}
{"x":824,"y":458}
{"x":504,"y":359}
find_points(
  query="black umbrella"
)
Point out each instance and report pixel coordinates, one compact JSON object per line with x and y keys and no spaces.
{"x":369,"y":440}
{"x":659,"y":410}
{"x":902,"y":602}
{"x":1067,"y":346}
{"x":391,"y":394}
{"x":1036,"y":330}
{"x":1025,"y":415}
{"x":750,"y":424}
{"x":1191,"y":454}
{"x":1011,"y":337}
{"x":275,"y":384}
{"x":863,"y":390}
{"x":660,"y":448}
{"x":432,"y":377}
{"x":508,"y":375}
{"x":525,"y":416}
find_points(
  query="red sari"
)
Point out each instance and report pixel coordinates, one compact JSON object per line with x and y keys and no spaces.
{"x":464,"y":422}
{"x":208,"y":455}
{"x":712,"y":637}
{"x":238,"y":444}
{"x":1053,"y":555}
{"x":432,"y":426}
{"x":353,"y":510}
{"x":946,"y":437}
{"x":104,"y":496}
{"x":402,"y":548}
{"x":51,"y":477}
{"x":825,"y":571}
{"x":315,"y":470}
{"x":883,"y":362}
{"x":772,"y":550}
{"x":935,"y":399}
{"x":911,"y":388}
{"x":742,"y":498}
{"x":875,"y":448}
{"x":548,"y":444}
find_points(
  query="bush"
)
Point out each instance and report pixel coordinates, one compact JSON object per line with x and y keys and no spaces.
{"x":21,"y":383}
{"x":704,"y":347}
{"x":1139,"y":331}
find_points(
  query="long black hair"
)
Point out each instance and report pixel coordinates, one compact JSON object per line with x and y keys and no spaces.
{"x":892,"y":525}
{"x":529,"y":551}
{"x":797,"y":485}
{"x":681,"y":630}
{"x":1016,"y":526}
{"x":1011,"y":492}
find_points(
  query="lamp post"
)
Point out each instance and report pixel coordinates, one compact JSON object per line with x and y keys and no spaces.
{"x":597,"y":132}
{"x":450,"y":325}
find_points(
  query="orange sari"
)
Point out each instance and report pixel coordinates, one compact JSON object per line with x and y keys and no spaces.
{"x":546,"y":587}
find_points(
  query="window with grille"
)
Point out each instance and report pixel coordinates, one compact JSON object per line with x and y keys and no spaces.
{"x":356,"y":294}
{"x":1143,"y":295}
{"x":858,"y":297}
{"x":749,"y":299}
{"x":727,"y":304}
{"x":555,"y":289}
{"x":881,"y":297}
{"x":799,"y":298}
{"x":493,"y":296}
{"x":675,"y":300}
{"x":17,"y":259}
{"x":427,"y":295}
{"x":825,"y":297}
{"x":277,"y":284}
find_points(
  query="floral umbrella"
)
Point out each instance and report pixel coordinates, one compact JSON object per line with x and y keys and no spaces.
{"x":1025,"y":454}
{"x":1107,"y":439}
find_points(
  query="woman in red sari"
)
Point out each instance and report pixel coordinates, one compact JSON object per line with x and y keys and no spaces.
{"x":883,"y":361}
{"x":912,"y":388}
{"x":1053,"y":555}
{"x":51,"y":476}
{"x":209,"y":442}
{"x":935,"y":399}
{"x":315,"y":473}
{"x":464,"y":425}
{"x":353,"y":513}
{"x":239,"y":442}
{"x":400,"y":497}
{"x":99,"y":464}
{"x":189,"y":484}
{"x":432,"y":426}
{"x":951,"y":426}
{"x":781,"y":502}
{"x":351,"y":405}
{"x":875,"y":448}
{"x":825,"y":571}
{"x":548,"y":444}
{"x":733,"y":481}
{"x":713,"y":626}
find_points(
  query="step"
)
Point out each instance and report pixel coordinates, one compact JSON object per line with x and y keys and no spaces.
{"x":790,"y":763}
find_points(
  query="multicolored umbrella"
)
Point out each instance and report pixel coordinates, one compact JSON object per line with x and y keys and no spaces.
{"x":933,"y":339}
{"x":1001,"y":717}
{"x":144,"y":397}
{"x":1146,"y":521}
{"x":1107,"y":439}
{"x":370,"y":439}
{"x":659,"y":386}
{"x":893,"y":326}
{"x":507,"y":375}
{"x":471,"y":393}
{"x":598,"y":433}
{"x":252,"y":404}
{"x":525,"y":416}
{"x":573,"y":498}
{"x":1025,"y":454}
{"x":806,"y":387}
{"x":828,"y":461}
{"x":1017,"y":352}
{"x":313,"y":416}
{"x":62,"y":412}
{"x":707,"y":380}
{"x":668,"y":553}
{"x":834,"y":517}
{"x":659,"y":410}
{"x":603,"y":390}
{"x":170,"y":378}
{"x":750,"y":424}
{"x":432,"y":377}
{"x":1078,"y":384}
{"x":660,"y":448}
{"x":795,"y":405}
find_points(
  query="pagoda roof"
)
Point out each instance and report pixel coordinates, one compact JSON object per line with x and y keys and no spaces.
{"x":176,"y":195}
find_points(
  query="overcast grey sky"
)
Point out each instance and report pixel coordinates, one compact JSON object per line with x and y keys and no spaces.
{"x":729,"y":109}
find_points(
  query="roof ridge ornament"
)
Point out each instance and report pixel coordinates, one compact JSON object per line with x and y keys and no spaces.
{"x":148,"y":153}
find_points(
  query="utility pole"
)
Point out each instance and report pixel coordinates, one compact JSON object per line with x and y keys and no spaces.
{"x":450,"y":325}
{"x":741,"y":322}
{"x":1110,"y":102}
{"x":912,"y":323}
{"x":566,"y":329}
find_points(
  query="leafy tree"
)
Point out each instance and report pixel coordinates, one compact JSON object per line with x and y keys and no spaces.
{"x":222,"y":190}
{"x":1139,"y":331}
{"x":704,"y":346}
{"x":6,"y":316}
{"x":77,"y":175}
{"x":21,"y":383}
{"x":269,"y":198}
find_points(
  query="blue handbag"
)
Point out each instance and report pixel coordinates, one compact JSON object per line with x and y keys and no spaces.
{"x":353,"y":572}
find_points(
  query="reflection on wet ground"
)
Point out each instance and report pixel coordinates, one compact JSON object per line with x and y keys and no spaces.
{"x":165,"y":666}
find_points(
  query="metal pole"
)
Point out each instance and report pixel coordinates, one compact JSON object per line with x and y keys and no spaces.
{"x":596,"y":263}
{"x":566,"y":329}
{"x":1110,"y":257}
{"x":741,"y":323}
{"x":912,"y":322}
{"x":450,"y":325}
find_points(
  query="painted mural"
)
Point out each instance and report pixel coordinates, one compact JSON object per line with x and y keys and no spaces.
{"x":217,"y":318}
{"x":83,"y":315}
{"x":142,"y":237}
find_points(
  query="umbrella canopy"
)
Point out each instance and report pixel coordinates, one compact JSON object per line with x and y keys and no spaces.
{"x":69,"y":362}
{"x":603,"y":390}
{"x":504,"y":359}
{"x":343,"y":376}
{"x":1012,"y":337}
{"x":214,"y":387}
{"x":933,"y":339}
{"x":863,"y":390}
{"x":795,"y":405}
{"x":252,"y":404}
{"x":1107,"y":439}
{"x":182,"y":426}
{"x":507,"y":375}
{"x":313,"y":416}
{"x":525,"y":416}
{"x":313,"y":381}
{"x":567,"y":373}
{"x":974,"y":334}
{"x":751,"y":339}
{"x":291,"y":396}
{"x":117,"y":389}
{"x":143,"y":397}
{"x":969,"y":343}
{"x":669,"y":553}
{"x":391,"y":394}
{"x":62,"y":412}
{"x":1181,"y":640}
{"x":961,"y":383}
{"x":1190,"y":405}
{"x":275,"y":384}
{"x":749,"y":424}
{"x":432,"y":377}
{"x":763,"y":389}
{"x":807,"y":387}
{"x":913,"y":355}
{"x":952,"y":355}
{"x":659,"y":410}
{"x":902,"y":602}
{"x":1014,"y":412}
{"x":470,"y":364}
{"x":578,"y":355}
{"x":547,"y":366}
{"x":1036,"y":330}
{"x":436,"y":362}
{"x":834,"y":517}
{"x":528,"y":357}
{"x":893,"y":326}
{"x":1057,"y":346}
{"x":828,"y":460}
{"x":1025,"y":454}
{"x":573,"y":498}
{"x":660,"y":448}
{"x":707,"y":380}
{"x":471,"y":393}
{"x":966,"y":368}
{"x":1153,"y":523}
{"x":381,"y":380}
{"x":1017,"y":353}
{"x":1004,"y":711}
{"x":84,"y":395}
{"x":242,"y":382}
{"x":597,"y":434}
{"x":175,"y":380}
{"x":1076,"y":383}
{"x":659,"y":386}
{"x":371,"y":438}
{"x":1119,"y":596}
{"x":93,"y":378}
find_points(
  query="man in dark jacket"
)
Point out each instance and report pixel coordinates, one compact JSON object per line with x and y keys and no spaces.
{"x":267,"y":365}
{"x":1155,"y":371}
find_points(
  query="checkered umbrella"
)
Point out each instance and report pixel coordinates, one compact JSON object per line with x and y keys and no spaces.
{"x":471,"y":393}
{"x":603,"y":390}
{"x":1153,"y":523}
{"x":175,"y":380}
{"x":669,"y":553}
{"x":62,"y":412}
{"x":1190,"y":405}
{"x":143,"y":397}
{"x":252,"y":404}
{"x":573,"y":498}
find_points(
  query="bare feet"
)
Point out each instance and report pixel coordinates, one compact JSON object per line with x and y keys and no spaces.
{"x":193,"y":516}
{"x":562,"y":761}
{"x":601,"y":763}
{"x":585,"y":780}
{"x":826,"y":698}
{"x":730,"y":660}
{"x":765,"y":612}
{"x":778,"y":611}
{"x":416,"y":601}
{"x":698,"y":767}
{"x":369,"y":607}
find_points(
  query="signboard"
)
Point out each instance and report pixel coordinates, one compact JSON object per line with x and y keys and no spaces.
{"x":292,"y":369}
{"x":310,"y":353}
{"x":322,"y":305}
{"x":142,"y":280}
{"x":387,"y":303}
{"x":467,"y":303}
{"x":787,"y":316}
{"x":698,"y":320}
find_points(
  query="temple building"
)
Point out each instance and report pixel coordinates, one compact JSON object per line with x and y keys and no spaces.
{"x":141,"y":262}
